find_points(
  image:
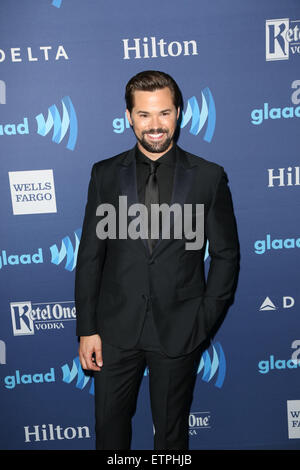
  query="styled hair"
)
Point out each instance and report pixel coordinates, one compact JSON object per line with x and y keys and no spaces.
{"x":151,"y":80}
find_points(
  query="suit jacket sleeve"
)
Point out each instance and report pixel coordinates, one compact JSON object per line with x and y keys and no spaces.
{"x":223,"y":249}
{"x":91,"y":255}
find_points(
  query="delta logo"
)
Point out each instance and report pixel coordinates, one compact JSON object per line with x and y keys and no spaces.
{"x":268,"y":305}
{"x":196,"y":115}
{"x":58,"y":123}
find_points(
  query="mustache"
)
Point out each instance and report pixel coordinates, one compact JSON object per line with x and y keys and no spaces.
{"x":155,"y":131}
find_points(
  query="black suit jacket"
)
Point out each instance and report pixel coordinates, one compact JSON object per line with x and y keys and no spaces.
{"x":116,"y":278}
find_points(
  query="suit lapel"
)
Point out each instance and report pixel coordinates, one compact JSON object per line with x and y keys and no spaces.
{"x":183,"y":177}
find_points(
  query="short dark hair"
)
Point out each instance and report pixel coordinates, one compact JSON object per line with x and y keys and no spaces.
{"x":151,"y":80}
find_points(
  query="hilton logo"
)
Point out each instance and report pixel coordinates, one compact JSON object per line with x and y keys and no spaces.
{"x":51,"y":432}
{"x":289,"y":176}
{"x":147,"y":48}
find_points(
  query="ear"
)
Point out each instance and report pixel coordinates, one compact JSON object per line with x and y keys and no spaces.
{"x":129,"y":117}
{"x":178,"y":112}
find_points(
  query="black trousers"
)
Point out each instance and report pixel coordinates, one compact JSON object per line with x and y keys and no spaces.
{"x":171,"y":385}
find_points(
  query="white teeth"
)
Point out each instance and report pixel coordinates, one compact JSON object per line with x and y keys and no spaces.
{"x":155,"y":136}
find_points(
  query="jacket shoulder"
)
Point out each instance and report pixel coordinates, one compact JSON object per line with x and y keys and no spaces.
{"x":207,"y":166}
{"x":108,"y":162}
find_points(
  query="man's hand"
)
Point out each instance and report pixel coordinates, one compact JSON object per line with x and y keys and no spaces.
{"x":90,"y":352}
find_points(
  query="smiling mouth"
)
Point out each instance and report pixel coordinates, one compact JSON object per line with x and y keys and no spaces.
{"x":155,"y":136}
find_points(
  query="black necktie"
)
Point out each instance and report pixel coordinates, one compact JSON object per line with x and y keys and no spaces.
{"x":151,"y":197}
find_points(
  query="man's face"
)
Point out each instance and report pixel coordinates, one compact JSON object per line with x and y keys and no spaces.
{"x":154,"y":119}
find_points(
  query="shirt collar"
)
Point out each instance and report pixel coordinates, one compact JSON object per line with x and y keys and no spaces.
{"x":168,"y":158}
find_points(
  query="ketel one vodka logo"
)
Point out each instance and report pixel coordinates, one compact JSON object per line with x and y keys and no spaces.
{"x":282,"y":38}
{"x":199,"y":420}
{"x":29,"y":318}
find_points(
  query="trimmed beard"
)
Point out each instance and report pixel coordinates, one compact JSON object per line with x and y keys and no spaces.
{"x":155,"y":147}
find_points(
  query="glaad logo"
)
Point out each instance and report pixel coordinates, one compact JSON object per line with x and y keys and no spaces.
{"x":14,"y":129}
{"x":153,"y":48}
{"x":282,"y":37}
{"x":293,"y":416}
{"x":57,"y":256}
{"x":28,"y":317}
{"x":2,"y":352}
{"x":67,"y":251}
{"x":60,"y":125}
{"x":216,"y":365}
{"x":264,"y":367}
{"x":2,"y":92}
{"x":11,"y":381}
{"x":26,"y":258}
{"x":198,"y":116}
{"x":261,"y":246}
{"x":83,"y":378}
{"x":57,"y":3}
{"x":288,"y":112}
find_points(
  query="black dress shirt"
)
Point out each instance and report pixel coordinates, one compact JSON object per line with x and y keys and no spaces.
{"x":165,"y":177}
{"x":164,"y":173}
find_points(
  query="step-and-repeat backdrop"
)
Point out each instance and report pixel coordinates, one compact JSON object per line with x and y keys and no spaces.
{"x":63,"y":68}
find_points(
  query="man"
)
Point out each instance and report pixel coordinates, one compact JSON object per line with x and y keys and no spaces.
{"x":145,"y":301}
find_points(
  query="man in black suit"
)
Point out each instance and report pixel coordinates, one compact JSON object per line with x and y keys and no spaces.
{"x":145,"y":301}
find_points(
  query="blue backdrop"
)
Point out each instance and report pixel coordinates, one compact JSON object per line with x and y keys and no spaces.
{"x":63,"y":68}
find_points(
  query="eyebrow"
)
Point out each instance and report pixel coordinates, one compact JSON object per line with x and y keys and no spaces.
{"x":147,"y":112}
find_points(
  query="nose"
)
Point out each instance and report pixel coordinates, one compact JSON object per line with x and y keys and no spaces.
{"x":155,"y":122}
